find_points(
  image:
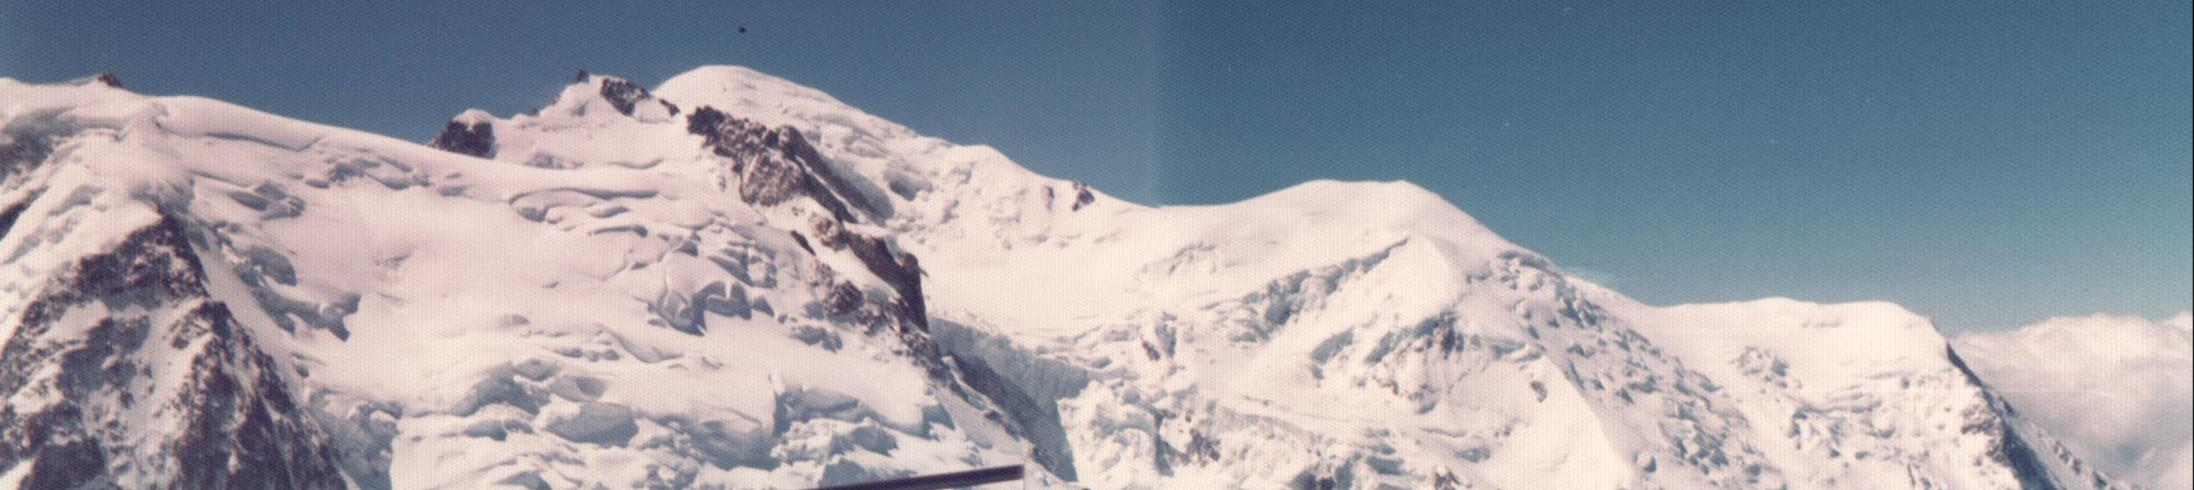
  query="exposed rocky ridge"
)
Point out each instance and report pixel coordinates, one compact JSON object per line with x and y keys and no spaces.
{"x":80,"y":383}
{"x":2013,"y":448}
{"x":776,"y":164}
{"x":2009,"y":449}
{"x":624,"y":95}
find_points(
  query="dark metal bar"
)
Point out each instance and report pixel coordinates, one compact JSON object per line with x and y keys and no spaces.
{"x":941,"y":480}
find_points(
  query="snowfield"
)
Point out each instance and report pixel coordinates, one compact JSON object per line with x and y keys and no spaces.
{"x":733,"y":281}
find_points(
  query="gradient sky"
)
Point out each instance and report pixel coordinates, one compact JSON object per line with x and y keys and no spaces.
{"x":1986,"y":163}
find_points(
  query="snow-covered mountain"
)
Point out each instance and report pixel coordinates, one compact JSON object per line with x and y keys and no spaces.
{"x":199,"y":295}
{"x":736,"y":281}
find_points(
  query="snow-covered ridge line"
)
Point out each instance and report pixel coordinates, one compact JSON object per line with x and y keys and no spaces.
{"x":446,"y":320}
{"x":732,"y":280}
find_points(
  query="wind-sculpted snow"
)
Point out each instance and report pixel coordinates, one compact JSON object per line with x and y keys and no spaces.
{"x":736,"y":281}
{"x":418,"y":318}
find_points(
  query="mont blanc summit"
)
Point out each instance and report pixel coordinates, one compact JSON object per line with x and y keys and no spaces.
{"x":734,"y":281}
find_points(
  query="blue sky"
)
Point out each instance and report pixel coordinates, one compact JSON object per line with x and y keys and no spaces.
{"x":1986,"y":163}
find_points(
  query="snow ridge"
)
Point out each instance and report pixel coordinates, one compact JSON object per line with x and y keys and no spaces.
{"x":585,"y":314}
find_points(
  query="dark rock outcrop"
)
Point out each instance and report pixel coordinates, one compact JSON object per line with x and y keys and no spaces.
{"x":899,"y":270}
{"x":235,"y":421}
{"x":476,"y":138}
{"x":9,"y":214}
{"x":623,"y":94}
{"x":108,"y":78}
{"x":705,"y":121}
{"x":1082,"y":196}
{"x":777,"y":164}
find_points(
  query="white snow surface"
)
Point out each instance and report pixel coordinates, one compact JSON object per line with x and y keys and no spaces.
{"x":2115,"y":388}
{"x":1354,"y":335}
{"x":485,"y":305}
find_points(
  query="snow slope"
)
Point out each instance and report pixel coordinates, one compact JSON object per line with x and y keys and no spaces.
{"x":423,"y":318}
{"x":734,"y":280}
{"x":1363,"y":334}
{"x":2116,"y":388}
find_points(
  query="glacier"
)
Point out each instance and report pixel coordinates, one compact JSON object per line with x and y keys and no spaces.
{"x":735,"y":281}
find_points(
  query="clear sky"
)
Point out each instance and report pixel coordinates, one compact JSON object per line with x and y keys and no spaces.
{"x":1987,"y":163}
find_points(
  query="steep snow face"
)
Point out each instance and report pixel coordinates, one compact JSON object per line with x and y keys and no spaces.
{"x":1381,"y":336}
{"x":1371,"y":334}
{"x":321,"y":307}
{"x":2115,"y":388}
{"x":736,"y":280}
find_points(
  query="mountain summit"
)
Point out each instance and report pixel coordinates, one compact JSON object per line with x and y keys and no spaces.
{"x":732,"y":280}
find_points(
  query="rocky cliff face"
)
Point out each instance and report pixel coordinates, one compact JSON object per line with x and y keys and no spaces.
{"x":623,"y":94}
{"x":777,"y":164}
{"x":123,"y":372}
{"x":774,"y":165}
